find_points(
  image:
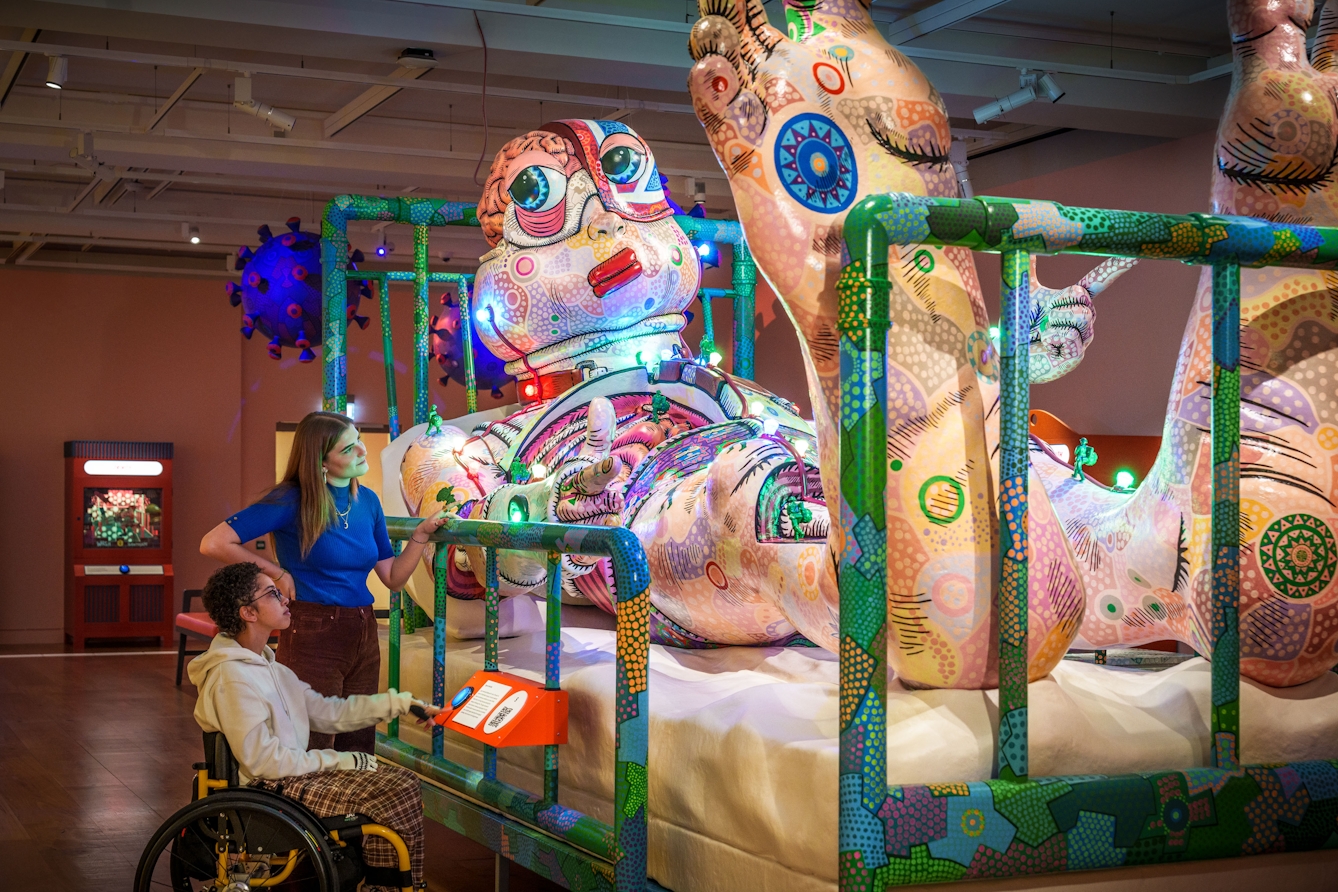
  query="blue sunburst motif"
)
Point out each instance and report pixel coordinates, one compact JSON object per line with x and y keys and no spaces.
{"x":816,"y":164}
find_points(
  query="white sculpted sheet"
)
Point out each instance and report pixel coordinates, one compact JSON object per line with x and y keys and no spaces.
{"x":743,"y":745}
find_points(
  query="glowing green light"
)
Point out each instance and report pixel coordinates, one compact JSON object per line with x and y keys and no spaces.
{"x":1124,"y":479}
{"x":519,"y":509}
{"x":994,"y":332}
{"x":715,"y":358}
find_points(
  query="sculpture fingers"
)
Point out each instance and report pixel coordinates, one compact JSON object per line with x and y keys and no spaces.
{"x":1101,"y":277}
{"x":600,"y":422}
{"x":595,"y":479}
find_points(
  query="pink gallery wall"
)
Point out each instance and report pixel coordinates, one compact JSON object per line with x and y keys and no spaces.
{"x":103,"y":357}
{"x":1122,"y":385}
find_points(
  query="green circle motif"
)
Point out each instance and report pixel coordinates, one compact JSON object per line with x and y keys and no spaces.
{"x":942,"y":499}
{"x":973,"y":822}
{"x":924,"y":261}
{"x":1298,"y":555}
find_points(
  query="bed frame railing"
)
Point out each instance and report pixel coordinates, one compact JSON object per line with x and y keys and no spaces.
{"x":425,"y":213}
{"x":572,"y":849}
{"x":1015,"y":824}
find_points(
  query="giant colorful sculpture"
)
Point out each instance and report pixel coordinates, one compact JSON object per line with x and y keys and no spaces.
{"x":583,"y":293}
{"x":804,"y":126}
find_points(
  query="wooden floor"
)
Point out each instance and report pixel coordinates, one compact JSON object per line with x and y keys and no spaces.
{"x":96,"y":752}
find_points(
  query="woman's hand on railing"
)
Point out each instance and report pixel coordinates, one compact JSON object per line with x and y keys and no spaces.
{"x":428,"y":526}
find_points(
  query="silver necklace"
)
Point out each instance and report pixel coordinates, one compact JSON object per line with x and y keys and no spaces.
{"x":343,"y":515}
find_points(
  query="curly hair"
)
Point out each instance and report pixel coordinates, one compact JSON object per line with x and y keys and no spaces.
{"x":226,"y":591}
{"x":492,"y":206}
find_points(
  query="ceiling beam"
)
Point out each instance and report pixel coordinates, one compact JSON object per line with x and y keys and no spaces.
{"x":168,"y":143}
{"x":16,"y":59}
{"x":158,"y":189}
{"x":347,"y":77}
{"x":943,"y":14}
{"x":174,"y":98}
{"x":28,"y":250}
{"x":83,"y":193}
{"x":367,"y":101}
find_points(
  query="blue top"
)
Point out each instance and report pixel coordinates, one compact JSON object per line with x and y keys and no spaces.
{"x":335,"y":571}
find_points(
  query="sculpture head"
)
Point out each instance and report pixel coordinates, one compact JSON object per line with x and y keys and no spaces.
{"x":585,"y":254}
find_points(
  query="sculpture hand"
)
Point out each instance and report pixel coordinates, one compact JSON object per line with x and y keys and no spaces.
{"x":1063,"y":320}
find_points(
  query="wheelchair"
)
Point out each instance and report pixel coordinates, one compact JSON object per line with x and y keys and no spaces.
{"x":233,"y":838}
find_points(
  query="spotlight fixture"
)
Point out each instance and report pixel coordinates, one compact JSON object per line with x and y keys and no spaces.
{"x":192,"y":233}
{"x":1048,"y":86}
{"x":385,"y":247}
{"x":241,"y":98}
{"x":1031,"y":83}
{"x":417,"y":57}
{"x":57,"y":69}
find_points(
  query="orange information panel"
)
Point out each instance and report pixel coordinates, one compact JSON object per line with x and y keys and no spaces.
{"x":502,"y":709}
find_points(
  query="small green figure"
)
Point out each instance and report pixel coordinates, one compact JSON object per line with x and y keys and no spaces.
{"x":520,"y":472}
{"x":799,"y":513}
{"x":659,"y":405}
{"x":447,"y":498}
{"x":1083,"y":455}
{"x":434,"y":421}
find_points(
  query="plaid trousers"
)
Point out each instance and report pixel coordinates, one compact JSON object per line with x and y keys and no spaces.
{"x":389,"y":795}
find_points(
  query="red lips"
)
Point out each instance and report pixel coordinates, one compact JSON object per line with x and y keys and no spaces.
{"x":615,"y":272}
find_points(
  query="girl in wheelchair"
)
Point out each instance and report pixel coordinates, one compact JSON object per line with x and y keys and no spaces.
{"x":266,"y":714}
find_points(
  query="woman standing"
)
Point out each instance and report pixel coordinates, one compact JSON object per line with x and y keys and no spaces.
{"x":329,"y":534}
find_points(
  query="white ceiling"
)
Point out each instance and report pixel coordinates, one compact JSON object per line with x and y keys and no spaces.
{"x":88,"y":184}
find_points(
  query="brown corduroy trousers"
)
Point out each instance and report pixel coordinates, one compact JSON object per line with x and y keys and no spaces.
{"x":335,"y":650}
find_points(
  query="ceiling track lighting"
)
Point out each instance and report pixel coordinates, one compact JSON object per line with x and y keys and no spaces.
{"x":1033,"y":86}
{"x":57,"y":70}
{"x":384,"y":247}
{"x":191,"y":233}
{"x":241,"y":99}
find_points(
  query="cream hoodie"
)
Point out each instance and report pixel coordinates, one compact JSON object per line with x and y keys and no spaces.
{"x":267,"y":713}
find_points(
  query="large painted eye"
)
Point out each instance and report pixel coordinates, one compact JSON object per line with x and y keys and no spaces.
{"x":538,"y":188}
{"x":621,"y":164}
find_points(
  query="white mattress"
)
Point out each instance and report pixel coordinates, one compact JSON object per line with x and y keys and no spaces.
{"x":743,"y":750}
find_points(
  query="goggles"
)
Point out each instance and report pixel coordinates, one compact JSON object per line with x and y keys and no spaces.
{"x":620,"y":166}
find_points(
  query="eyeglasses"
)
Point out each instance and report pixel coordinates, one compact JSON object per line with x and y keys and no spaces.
{"x":271,"y":592}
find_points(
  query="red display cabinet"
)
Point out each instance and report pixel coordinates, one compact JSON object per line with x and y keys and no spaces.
{"x":118,"y":541}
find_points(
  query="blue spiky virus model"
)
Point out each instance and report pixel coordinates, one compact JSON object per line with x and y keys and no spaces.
{"x":448,"y":347}
{"x":280,"y":291}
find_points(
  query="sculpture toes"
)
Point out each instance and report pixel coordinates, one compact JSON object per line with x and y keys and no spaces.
{"x":748,"y":19}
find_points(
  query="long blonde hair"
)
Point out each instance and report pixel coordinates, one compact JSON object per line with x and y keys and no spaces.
{"x":315,"y":436}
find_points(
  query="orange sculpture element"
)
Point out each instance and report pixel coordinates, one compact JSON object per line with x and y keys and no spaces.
{"x":507,"y":710}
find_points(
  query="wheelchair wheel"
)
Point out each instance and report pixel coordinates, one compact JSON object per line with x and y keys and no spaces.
{"x":237,"y":840}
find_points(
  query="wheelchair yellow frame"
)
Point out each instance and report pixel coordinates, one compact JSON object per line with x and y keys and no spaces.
{"x":204,"y":785}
